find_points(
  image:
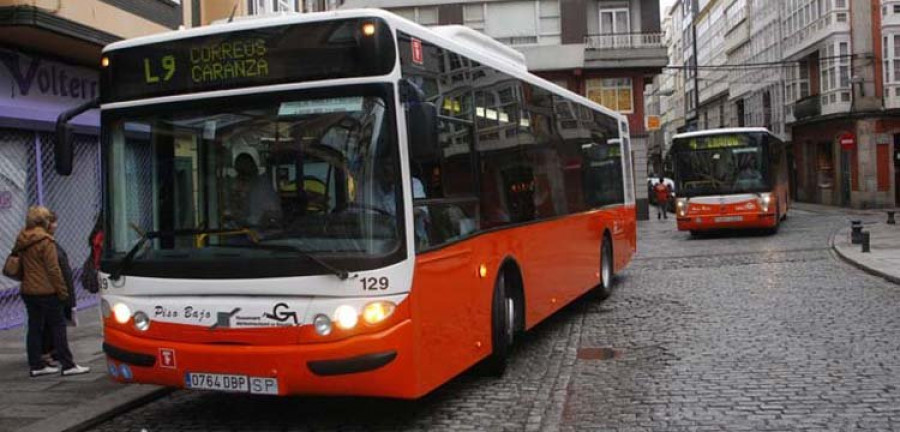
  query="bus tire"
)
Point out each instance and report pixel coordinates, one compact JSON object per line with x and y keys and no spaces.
{"x":607,"y":272}
{"x":503,"y":310}
{"x":774,"y":229}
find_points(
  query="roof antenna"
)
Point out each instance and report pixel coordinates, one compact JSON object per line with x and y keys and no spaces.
{"x":233,"y":10}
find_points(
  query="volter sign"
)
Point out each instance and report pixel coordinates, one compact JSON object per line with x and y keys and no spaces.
{"x":848,"y":141}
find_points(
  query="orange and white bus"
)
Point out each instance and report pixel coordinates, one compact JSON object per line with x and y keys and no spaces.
{"x":344,"y":203}
{"x":730,"y":178}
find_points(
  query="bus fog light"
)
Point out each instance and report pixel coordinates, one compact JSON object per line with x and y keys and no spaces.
{"x":378,"y":311}
{"x":141,"y":321}
{"x":122,"y":313}
{"x":322,"y":324}
{"x":105,"y":308}
{"x":346,"y":317}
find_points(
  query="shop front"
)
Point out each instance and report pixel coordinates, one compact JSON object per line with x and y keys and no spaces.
{"x":847,"y":162}
{"x":34,"y":90}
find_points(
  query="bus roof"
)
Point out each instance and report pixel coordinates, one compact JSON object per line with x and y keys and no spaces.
{"x":481,"y":48}
{"x":723,"y":131}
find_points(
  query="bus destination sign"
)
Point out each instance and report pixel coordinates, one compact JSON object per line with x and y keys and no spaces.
{"x":262,"y":56}
{"x":211,"y":63}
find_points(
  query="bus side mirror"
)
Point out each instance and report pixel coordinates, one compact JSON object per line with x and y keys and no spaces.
{"x":63,"y":151}
{"x":422,"y":131}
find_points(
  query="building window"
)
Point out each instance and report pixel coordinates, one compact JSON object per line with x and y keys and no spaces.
{"x":613,"y":93}
{"x":426,"y":16}
{"x":614,"y":21}
{"x":835,"y":66}
{"x":516,"y":22}
{"x":473,"y":16}
{"x":263,"y":7}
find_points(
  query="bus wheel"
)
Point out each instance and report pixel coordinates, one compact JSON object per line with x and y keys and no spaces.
{"x":604,"y":289}
{"x":774,"y":229}
{"x":503,"y":318}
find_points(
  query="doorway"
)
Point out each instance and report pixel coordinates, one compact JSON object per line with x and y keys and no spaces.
{"x":845,"y":177}
{"x":897,"y":170}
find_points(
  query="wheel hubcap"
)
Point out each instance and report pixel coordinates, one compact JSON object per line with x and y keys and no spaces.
{"x":607,"y":272}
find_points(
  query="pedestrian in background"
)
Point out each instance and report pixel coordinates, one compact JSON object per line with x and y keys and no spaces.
{"x":662,"y":198}
{"x":45,"y":293}
{"x":69,"y":306}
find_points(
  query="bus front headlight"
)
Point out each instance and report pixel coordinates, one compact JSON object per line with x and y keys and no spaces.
{"x":346,"y":317}
{"x":764,"y":201}
{"x":377,"y":311}
{"x":681,"y":207}
{"x":122,"y":313}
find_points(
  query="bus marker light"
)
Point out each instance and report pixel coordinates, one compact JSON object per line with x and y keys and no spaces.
{"x":122,"y":313}
{"x":377,"y":311}
{"x":346,"y":317}
{"x":125,"y":371}
{"x":368,"y":29}
{"x":482,"y":271}
{"x":104,"y":62}
{"x":322,"y":324}
{"x":141,"y":321}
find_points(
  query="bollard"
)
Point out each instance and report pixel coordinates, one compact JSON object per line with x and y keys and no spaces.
{"x":856,"y":231}
{"x":865,"y":242}
{"x":891,"y":220}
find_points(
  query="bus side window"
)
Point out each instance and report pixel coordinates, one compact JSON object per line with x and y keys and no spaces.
{"x":443,"y":185}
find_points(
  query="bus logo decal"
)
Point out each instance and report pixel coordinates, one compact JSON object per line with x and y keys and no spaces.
{"x":417,"y":56}
{"x":281,"y":316}
{"x":223,"y":319}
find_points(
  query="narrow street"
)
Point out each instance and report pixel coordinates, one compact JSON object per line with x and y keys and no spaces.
{"x":721,"y":332}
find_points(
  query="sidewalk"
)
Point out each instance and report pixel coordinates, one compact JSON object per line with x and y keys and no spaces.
{"x":884,"y":258}
{"x":55,"y":403}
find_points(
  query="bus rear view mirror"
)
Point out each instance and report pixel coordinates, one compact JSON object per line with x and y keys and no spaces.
{"x":63,"y":152}
{"x":422,"y":128}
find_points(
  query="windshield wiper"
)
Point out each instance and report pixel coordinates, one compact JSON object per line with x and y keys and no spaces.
{"x":150,"y":235}
{"x":340,"y":273}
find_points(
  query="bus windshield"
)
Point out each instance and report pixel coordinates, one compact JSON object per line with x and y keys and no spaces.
{"x":234,"y":187}
{"x":720,"y":164}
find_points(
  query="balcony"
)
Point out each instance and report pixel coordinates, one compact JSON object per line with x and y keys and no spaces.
{"x":625,"y":50}
{"x":810,"y":106}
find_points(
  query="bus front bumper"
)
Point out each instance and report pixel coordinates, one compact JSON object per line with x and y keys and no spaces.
{"x":378,"y":364}
{"x":704,"y":222}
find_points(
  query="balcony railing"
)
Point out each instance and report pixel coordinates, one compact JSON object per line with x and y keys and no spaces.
{"x":624,"y":41}
{"x":810,"y":106}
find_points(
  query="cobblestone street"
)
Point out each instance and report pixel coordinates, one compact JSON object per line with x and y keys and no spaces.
{"x":720,"y":332}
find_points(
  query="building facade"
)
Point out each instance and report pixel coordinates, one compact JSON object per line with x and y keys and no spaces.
{"x":606,"y":50}
{"x":818,"y":73}
{"x":49,"y":61}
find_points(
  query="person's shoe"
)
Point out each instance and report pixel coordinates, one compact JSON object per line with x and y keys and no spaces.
{"x":46,"y":370}
{"x":76,"y":370}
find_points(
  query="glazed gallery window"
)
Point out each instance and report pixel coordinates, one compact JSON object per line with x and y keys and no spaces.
{"x":613,"y":93}
{"x":614,"y":21}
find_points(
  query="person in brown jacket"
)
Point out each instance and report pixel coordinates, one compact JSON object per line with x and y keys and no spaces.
{"x":45,"y":292}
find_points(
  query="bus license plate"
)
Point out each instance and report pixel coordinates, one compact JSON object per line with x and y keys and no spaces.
{"x":729,"y":219}
{"x":231,"y":383}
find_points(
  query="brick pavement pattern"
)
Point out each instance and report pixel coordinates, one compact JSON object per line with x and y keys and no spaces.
{"x":722,"y":332}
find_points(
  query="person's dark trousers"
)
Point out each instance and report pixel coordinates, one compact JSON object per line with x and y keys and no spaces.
{"x":45,"y":313}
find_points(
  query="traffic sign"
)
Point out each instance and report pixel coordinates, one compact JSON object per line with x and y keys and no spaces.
{"x":848,"y":141}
